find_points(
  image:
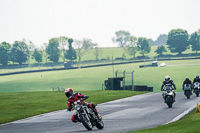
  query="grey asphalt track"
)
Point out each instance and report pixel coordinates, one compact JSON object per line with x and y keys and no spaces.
{"x":123,"y":115}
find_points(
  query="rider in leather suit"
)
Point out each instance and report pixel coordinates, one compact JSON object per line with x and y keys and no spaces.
{"x":72,"y":97}
{"x":170,"y":83}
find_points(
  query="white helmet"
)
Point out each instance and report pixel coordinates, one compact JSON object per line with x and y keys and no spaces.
{"x":167,"y":78}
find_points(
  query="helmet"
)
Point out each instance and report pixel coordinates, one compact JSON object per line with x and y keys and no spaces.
{"x":69,"y":92}
{"x":186,"y":78}
{"x":167,"y":78}
{"x":197,"y":76}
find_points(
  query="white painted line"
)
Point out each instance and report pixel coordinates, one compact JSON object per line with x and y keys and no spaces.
{"x":181,"y":115}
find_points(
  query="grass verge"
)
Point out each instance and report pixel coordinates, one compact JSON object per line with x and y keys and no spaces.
{"x":188,"y":124}
{"x":93,"y":78}
{"x":19,"y":105}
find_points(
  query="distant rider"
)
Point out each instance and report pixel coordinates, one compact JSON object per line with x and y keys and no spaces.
{"x":187,"y":81}
{"x":196,"y":79}
{"x":72,"y":97}
{"x":170,"y":83}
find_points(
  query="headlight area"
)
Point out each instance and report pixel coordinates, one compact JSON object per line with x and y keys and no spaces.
{"x":77,"y":107}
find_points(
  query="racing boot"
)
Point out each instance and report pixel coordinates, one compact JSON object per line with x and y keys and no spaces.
{"x":164,"y":101}
{"x":174,"y":97}
{"x":97,"y":114}
{"x":163,"y":98}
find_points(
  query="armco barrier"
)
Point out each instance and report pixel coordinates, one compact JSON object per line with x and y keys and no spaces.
{"x":43,"y":70}
{"x":57,"y":69}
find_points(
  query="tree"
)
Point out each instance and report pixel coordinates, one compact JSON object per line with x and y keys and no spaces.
{"x":152,"y":42}
{"x":143,"y":46}
{"x":160,"y":50}
{"x":31,"y":48}
{"x":83,"y":47}
{"x":161,"y":40}
{"x":177,"y":41}
{"x":19,"y":52}
{"x":44,"y":52}
{"x":97,"y":52}
{"x":63,"y":41}
{"x":37,"y":55}
{"x":121,"y":37}
{"x":52,"y":50}
{"x":70,"y":53}
{"x":4,"y":53}
{"x":195,"y":41}
{"x":132,"y":46}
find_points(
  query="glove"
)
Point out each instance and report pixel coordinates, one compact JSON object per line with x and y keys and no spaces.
{"x":69,"y":108}
{"x":85,"y":97}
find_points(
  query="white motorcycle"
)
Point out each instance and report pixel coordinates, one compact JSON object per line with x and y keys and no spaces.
{"x":187,"y":90}
{"x":168,"y":96}
{"x":197,"y":88}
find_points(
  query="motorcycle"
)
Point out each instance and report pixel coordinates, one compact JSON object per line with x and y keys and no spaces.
{"x":168,"y":96}
{"x":187,"y":90}
{"x":87,"y":116}
{"x":197,"y":88}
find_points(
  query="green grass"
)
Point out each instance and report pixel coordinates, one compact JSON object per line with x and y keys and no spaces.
{"x":93,"y":78}
{"x":26,"y":100}
{"x":18,"y":105}
{"x":106,"y":53}
{"x":188,"y":124}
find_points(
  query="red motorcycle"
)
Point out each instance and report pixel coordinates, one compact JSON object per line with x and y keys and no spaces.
{"x":87,"y":116}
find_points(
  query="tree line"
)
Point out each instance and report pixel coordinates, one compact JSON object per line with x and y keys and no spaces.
{"x":22,"y":51}
{"x":177,"y":41}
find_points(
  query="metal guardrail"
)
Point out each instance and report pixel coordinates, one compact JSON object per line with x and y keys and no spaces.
{"x":99,"y":65}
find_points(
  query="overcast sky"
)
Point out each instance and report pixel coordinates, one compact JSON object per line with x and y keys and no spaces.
{"x":40,"y":20}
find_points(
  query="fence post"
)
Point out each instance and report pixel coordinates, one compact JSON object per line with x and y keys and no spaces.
{"x":116,"y":74}
{"x":132,"y":82}
{"x":124,"y":74}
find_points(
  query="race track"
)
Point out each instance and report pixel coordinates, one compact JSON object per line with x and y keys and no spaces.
{"x":123,"y":115}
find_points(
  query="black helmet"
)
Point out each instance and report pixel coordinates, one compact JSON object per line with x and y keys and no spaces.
{"x":197,"y":76}
{"x":167,"y":78}
{"x":69,"y":92}
{"x":186,"y":78}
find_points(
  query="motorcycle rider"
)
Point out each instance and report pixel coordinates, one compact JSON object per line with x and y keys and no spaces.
{"x":187,"y":81}
{"x":72,"y":97}
{"x":196,"y":79}
{"x":170,"y":83}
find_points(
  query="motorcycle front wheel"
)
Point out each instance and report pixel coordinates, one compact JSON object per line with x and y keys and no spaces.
{"x":187,"y":94}
{"x":169,"y":101}
{"x":99,"y":124}
{"x":197,"y":94}
{"x":86,"y":123}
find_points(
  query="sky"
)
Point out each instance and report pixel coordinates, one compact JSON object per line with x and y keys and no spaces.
{"x":98,"y":20}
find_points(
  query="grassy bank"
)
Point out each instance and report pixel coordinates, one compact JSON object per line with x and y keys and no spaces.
{"x":93,"y":78}
{"x":188,"y":124}
{"x":19,"y":105}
